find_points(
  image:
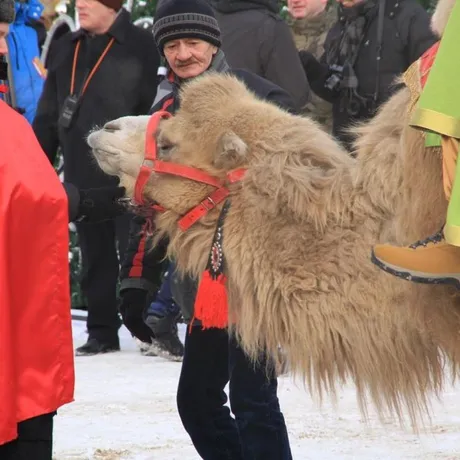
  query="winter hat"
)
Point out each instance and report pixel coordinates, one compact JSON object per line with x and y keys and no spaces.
{"x":114,"y":4}
{"x":185,"y":19}
{"x":7,"y":11}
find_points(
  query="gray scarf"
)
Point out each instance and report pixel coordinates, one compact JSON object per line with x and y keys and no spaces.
{"x":344,"y":49}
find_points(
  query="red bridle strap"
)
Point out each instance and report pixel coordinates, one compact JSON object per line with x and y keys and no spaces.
{"x":186,"y":172}
{"x":152,"y":164}
{"x":211,"y":201}
{"x":149,"y":156}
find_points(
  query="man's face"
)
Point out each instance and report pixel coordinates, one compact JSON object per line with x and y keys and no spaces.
{"x":189,"y":57}
{"x":301,"y":9}
{"x":4,"y":28}
{"x":94,"y":17}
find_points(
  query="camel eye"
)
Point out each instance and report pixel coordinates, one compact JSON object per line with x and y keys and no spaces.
{"x":164,"y":149}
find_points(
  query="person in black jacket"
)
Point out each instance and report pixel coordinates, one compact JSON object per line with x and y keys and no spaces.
{"x":188,"y":35}
{"x":255,"y":38}
{"x":89,"y":205}
{"x":361,"y":61}
{"x":104,"y":70}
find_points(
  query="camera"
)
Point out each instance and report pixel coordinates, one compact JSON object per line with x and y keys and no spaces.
{"x":334,"y":80}
{"x":69,"y":110}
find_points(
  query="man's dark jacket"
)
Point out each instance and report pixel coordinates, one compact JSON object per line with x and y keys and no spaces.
{"x":124,"y":84}
{"x":406,"y":36}
{"x":255,"y":38}
{"x":148,"y":266}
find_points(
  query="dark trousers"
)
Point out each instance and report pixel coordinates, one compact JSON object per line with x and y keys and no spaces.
{"x":101,"y":265}
{"x":34,"y":441}
{"x":258,"y":431}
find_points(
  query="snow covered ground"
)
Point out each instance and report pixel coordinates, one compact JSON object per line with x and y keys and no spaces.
{"x":125,"y":410}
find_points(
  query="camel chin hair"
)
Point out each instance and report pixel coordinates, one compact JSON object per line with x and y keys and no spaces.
{"x":298,"y":236}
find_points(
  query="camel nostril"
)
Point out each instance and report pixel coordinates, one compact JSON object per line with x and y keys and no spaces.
{"x":111,"y":126}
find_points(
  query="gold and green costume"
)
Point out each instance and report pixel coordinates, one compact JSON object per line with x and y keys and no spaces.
{"x":438,"y":112}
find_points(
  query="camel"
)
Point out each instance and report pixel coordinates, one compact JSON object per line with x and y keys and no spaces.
{"x":298,"y":237}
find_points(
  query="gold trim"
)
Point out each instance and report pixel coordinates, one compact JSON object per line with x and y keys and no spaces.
{"x":411,"y":78}
{"x":452,"y":234}
{"x":436,"y":121}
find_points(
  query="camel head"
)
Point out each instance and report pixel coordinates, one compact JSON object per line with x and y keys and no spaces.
{"x":222,"y":126}
{"x":188,"y":139}
{"x":119,"y":148}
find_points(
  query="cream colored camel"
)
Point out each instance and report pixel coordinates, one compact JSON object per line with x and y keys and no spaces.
{"x":298,"y":235}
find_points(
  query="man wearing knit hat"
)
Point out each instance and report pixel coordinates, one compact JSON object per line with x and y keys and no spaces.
{"x":104,"y":70}
{"x":188,"y":36}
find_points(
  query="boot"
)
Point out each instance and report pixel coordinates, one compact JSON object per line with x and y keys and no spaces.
{"x":431,"y":261}
{"x":162,"y":317}
{"x":94,"y":347}
{"x":166,"y":342}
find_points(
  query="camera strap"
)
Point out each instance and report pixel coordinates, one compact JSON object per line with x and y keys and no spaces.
{"x":380,"y":24}
{"x":93,"y":71}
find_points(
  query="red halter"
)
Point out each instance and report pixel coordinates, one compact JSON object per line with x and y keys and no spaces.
{"x":426,"y":62}
{"x":152,"y":164}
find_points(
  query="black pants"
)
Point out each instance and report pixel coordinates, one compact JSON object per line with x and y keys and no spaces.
{"x":101,"y":265}
{"x":34,"y":441}
{"x":258,"y":431}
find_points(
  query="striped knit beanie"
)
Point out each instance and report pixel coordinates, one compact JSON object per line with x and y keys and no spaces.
{"x":176,"y":19}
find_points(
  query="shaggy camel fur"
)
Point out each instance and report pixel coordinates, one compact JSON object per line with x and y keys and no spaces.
{"x":298,"y":235}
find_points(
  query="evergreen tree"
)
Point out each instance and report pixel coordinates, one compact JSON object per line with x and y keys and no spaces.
{"x":142,"y":8}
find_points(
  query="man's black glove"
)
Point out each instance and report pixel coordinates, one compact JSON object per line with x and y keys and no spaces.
{"x":313,"y":68}
{"x":97,"y":204}
{"x":132,"y":307}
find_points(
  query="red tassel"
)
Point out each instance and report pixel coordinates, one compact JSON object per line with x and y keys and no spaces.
{"x":211,"y":305}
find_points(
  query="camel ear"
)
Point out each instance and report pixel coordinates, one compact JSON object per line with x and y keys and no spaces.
{"x":231,"y":151}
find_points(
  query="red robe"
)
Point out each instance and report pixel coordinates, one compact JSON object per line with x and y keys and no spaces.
{"x":36,"y":350}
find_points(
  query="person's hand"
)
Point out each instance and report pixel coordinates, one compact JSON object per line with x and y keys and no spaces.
{"x":97,"y":204}
{"x":132,"y":307}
